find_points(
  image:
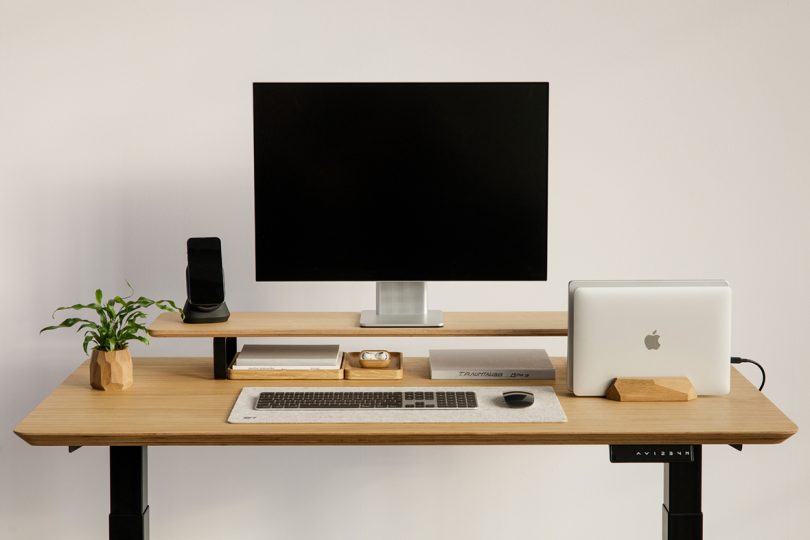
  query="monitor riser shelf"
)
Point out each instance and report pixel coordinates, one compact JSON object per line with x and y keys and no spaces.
{"x":347,"y":324}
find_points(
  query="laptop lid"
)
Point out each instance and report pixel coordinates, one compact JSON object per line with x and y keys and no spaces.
{"x":670,"y":328}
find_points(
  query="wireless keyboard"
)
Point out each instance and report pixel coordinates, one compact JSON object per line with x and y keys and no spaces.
{"x":348,"y":399}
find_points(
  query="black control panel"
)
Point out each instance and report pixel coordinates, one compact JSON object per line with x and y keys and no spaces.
{"x":630,"y":453}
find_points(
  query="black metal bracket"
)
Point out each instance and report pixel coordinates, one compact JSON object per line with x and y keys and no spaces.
{"x":683,"y":466}
{"x":129,"y":508}
{"x":224,"y":355}
{"x":72,"y":449}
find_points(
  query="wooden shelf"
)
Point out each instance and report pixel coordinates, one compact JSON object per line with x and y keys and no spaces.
{"x":175,"y":401}
{"x":347,"y":324}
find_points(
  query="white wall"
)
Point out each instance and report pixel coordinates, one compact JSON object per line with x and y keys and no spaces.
{"x":678,"y":147}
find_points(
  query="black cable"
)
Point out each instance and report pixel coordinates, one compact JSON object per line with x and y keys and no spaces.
{"x":738,"y":360}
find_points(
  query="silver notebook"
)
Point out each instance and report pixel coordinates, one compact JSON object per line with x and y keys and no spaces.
{"x":649,"y":329}
{"x":515,"y":364}
{"x":288,"y":357}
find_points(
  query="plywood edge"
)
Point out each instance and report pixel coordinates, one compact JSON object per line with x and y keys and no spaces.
{"x":346,"y":324}
{"x":389,"y":435}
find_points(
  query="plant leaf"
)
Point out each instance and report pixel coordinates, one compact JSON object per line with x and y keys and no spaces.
{"x":142,"y":339}
{"x":99,"y":296}
{"x":67,"y":323}
{"x":89,"y":337}
{"x":167,"y":305}
{"x":87,"y":324}
{"x":74,"y":306}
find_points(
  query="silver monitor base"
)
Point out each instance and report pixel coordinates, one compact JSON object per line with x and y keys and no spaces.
{"x":371,"y":319}
{"x":401,"y":304}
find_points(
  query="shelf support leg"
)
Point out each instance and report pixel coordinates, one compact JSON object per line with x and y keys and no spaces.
{"x":224,"y":354}
{"x":682,"y":514}
{"x":129,"y":508}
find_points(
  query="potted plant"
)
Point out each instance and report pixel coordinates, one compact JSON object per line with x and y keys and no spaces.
{"x":119,"y":322}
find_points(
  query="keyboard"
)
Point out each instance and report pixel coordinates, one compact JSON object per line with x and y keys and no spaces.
{"x":349,"y":399}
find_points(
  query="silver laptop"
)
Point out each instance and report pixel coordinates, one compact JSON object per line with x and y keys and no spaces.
{"x":649,"y":329}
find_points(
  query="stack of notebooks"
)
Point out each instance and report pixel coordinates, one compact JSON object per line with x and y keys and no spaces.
{"x":288,"y":362}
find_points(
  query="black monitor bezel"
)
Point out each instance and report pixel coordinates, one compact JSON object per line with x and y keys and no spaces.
{"x":541,"y":274}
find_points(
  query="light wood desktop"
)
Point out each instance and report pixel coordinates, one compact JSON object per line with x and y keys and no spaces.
{"x":178,"y":401}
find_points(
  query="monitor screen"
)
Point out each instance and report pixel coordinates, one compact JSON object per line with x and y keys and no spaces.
{"x":401,"y":181}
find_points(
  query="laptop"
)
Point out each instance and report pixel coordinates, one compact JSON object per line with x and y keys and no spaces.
{"x":649,"y":329}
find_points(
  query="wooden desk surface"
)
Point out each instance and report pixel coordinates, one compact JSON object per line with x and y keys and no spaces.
{"x":176,"y":402}
{"x":329,"y":324}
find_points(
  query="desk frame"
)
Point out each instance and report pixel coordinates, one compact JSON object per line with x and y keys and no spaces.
{"x":129,"y":507}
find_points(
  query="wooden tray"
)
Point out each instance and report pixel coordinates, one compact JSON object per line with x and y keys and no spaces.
{"x":353,"y":370}
{"x":285,"y":374}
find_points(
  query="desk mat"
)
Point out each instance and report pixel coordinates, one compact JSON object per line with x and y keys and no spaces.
{"x":491,"y":408}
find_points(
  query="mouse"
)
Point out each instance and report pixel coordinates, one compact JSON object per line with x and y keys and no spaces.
{"x":518,"y":398}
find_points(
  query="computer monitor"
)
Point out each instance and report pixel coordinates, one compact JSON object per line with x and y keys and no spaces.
{"x":401,"y":183}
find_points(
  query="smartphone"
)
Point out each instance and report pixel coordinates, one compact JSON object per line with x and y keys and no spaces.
{"x":204,"y":280}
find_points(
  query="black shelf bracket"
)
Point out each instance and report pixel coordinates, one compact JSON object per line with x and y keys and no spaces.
{"x":224,"y":355}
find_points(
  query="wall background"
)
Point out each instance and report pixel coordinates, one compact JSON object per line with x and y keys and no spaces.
{"x":679,"y":137}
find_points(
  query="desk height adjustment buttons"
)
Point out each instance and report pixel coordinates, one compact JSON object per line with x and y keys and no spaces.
{"x":630,"y":453}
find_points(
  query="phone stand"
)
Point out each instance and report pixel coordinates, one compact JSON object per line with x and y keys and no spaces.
{"x":209,"y":312}
{"x":206,"y":313}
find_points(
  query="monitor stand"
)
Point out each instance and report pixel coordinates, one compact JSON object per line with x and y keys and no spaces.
{"x":401,"y":304}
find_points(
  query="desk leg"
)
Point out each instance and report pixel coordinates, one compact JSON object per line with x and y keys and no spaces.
{"x":129,"y":509}
{"x":682,"y":514}
{"x":224,"y":353}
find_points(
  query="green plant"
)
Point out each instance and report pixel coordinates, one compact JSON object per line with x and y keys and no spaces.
{"x":118,"y":320}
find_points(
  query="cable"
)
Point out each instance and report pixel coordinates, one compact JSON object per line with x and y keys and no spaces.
{"x":738,"y":360}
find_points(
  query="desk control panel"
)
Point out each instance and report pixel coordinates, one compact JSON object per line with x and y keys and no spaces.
{"x":348,"y":399}
{"x":651,"y":453}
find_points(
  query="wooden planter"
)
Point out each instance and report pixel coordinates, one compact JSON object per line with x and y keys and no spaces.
{"x":111,"y":370}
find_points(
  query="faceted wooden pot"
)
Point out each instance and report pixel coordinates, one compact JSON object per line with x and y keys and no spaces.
{"x":111,"y":370}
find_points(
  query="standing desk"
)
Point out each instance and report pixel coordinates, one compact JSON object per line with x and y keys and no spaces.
{"x":178,"y":401}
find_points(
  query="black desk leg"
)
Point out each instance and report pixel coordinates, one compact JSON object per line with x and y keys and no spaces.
{"x":129,"y":509}
{"x":683,"y":519}
{"x":682,"y":514}
{"x":224,"y":354}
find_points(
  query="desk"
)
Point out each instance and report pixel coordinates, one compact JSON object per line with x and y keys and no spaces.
{"x":175,"y":401}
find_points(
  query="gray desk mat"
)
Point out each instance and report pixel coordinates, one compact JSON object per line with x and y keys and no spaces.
{"x":491,"y":408}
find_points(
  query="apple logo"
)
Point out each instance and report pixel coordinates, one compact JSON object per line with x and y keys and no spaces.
{"x":651,"y":341}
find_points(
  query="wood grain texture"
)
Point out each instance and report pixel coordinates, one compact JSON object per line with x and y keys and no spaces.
{"x":176,"y":402}
{"x":354,"y":371}
{"x":285,"y":374}
{"x":345,"y":324}
{"x":111,"y":370}
{"x":656,"y":389}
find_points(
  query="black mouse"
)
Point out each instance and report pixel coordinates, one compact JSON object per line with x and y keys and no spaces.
{"x":518,"y":398}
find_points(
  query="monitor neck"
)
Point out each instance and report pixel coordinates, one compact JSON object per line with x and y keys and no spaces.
{"x":401,"y":304}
